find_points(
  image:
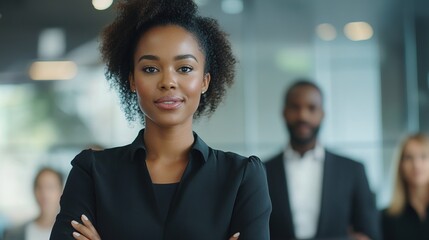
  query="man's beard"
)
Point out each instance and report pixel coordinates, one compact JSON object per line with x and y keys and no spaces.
{"x":294,"y":138}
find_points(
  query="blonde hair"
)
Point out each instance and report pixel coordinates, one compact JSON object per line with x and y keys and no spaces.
{"x":400,"y":192}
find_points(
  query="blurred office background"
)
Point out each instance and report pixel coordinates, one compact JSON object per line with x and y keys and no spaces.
{"x":371,"y":59}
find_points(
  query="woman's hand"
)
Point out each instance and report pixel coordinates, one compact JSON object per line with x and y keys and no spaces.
{"x":85,"y":231}
{"x":235,"y":236}
{"x":359,"y":236}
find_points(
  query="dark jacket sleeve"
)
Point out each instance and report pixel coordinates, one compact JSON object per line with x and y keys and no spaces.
{"x":78,"y":197}
{"x":365,"y":216}
{"x":253,"y":205}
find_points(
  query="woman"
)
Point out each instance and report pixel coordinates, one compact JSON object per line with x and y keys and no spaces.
{"x":48,"y":187}
{"x":407,"y":215}
{"x":169,"y":66}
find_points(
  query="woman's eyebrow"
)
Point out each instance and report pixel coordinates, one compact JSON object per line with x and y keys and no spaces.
{"x":148,"y":57}
{"x":185,"y":56}
{"x":176,"y":58}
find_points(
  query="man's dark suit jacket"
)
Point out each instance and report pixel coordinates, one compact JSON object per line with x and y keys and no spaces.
{"x":347,"y":201}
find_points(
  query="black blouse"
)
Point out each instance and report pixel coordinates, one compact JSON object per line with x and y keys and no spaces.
{"x":163,"y":195}
{"x":219,"y":194}
{"x":405,"y":226}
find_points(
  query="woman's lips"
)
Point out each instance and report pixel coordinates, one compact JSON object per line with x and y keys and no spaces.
{"x":169,"y":103}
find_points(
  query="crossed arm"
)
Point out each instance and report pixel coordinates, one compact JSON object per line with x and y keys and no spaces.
{"x":87,"y":231}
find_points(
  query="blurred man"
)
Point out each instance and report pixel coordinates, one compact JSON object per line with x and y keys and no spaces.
{"x":316,"y":194}
{"x":48,"y":187}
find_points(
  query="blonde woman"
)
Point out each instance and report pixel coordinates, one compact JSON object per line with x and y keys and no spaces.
{"x":407,"y":215}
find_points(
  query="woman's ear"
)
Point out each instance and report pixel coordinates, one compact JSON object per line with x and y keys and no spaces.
{"x":206,"y":82}
{"x":132,"y":82}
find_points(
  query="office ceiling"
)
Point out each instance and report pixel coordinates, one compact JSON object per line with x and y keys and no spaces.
{"x":21,"y":22}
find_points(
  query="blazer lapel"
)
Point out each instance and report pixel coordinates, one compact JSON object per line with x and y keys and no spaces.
{"x":327,"y":192}
{"x":281,"y":194}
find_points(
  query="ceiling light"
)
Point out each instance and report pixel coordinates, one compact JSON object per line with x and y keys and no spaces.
{"x":326,"y":32}
{"x":53,"y":70}
{"x":358,"y":31}
{"x":102,"y":4}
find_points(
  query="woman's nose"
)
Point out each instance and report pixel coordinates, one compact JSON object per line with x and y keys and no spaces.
{"x":168,"y":80}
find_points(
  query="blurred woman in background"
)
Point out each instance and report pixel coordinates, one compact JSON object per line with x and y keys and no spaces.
{"x":407,"y":215}
{"x":48,"y":187}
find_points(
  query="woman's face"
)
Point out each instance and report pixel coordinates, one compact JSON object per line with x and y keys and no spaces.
{"x":168,"y":75}
{"x":47,"y":191}
{"x":415,"y":164}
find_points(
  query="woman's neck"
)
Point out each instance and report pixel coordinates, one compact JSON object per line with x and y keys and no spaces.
{"x":45,"y":221}
{"x":419,"y":198}
{"x":168,"y":144}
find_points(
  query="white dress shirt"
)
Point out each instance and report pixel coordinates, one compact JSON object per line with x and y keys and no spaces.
{"x":304,"y":181}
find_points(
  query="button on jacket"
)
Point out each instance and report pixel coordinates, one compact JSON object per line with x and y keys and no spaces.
{"x":220,"y":193}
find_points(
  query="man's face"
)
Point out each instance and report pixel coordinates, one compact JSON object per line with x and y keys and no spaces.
{"x":303,"y":114}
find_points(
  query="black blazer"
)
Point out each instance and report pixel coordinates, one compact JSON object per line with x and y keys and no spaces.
{"x":346,"y":200}
{"x":220,"y":193}
{"x":406,"y":225}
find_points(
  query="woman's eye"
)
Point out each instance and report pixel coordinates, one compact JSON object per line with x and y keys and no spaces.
{"x":408,"y":158}
{"x":150,"y":69}
{"x":185,"y":69}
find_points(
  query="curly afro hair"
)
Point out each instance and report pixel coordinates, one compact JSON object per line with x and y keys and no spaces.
{"x":135,"y":17}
